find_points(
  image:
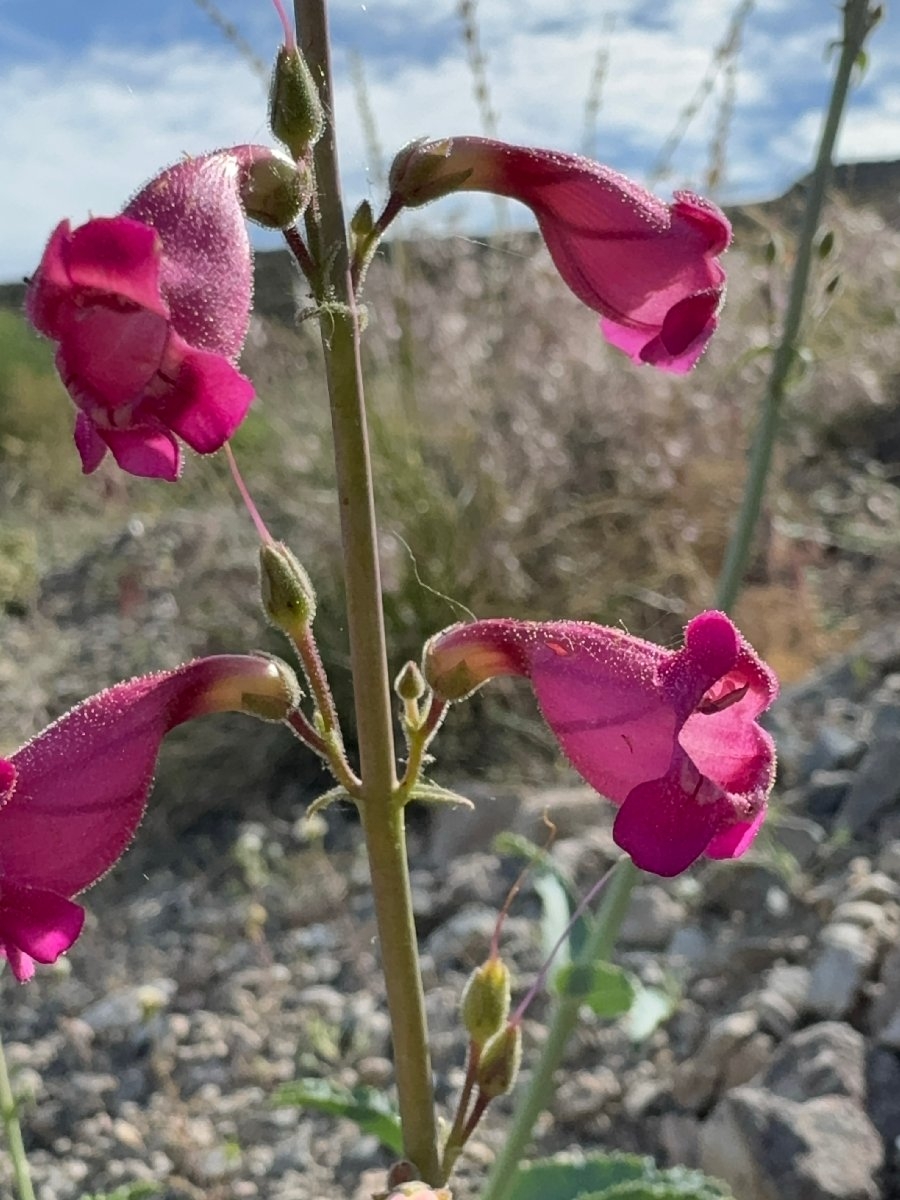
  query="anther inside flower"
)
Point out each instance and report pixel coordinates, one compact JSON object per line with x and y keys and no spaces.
{"x":670,"y":737}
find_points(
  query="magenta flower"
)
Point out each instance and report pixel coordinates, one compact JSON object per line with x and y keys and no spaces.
{"x":670,"y":737}
{"x":150,"y":310}
{"x":649,"y":268}
{"x":72,"y":798}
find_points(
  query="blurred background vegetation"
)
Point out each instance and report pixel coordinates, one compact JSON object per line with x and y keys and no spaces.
{"x":523,"y":467}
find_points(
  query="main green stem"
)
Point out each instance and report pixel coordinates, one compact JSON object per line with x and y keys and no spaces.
{"x":382,"y":816}
{"x":858,"y":21}
{"x":10,"y":1116}
{"x":597,"y":948}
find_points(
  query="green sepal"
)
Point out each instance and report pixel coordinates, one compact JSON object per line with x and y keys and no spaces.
{"x":433,"y":793}
{"x":322,"y":802}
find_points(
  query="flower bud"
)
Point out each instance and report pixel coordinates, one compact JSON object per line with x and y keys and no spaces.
{"x":458,"y":660}
{"x":409,"y":684}
{"x":485,"y":1000}
{"x":499,"y":1063}
{"x":268,"y":689}
{"x":295,"y":110}
{"x":287,"y":593}
{"x":274,"y":191}
{"x":423,"y":171}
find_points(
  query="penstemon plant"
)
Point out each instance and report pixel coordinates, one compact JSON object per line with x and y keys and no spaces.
{"x":149,"y":310}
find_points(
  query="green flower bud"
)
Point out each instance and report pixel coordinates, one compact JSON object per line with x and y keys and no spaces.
{"x":275,"y":191}
{"x":270,"y":693}
{"x":287,"y":593}
{"x":424,"y":171}
{"x":295,"y":110}
{"x":485,"y":1000}
{"x":409,"y":684}
{"x":499,"y":1063}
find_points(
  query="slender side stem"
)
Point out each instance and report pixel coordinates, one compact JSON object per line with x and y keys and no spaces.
{"x":382,"y":817}
{"x":858,"y":22}
{"x":598,"y":947}
{"x":9,"y":1114}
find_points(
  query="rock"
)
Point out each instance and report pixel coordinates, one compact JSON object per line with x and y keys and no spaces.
{"x":800,"y":836}
{"x":775,"y":1012}
{"x":130,"y":1007}
{"x":883,"y":1095}
{"x":885,"y":1012}
{"x":827,"y":1059}
{"x":824,"y":793}
{"x":690,"y":949}
{"x":732,"y":1053}
{"x":889,"y":860}
{"x":876,"y":785}
{"x":833,"y":747}
{"x":585,"y":1094}
{"x":845,"y":958}
{"x":770,"y":1148}
{"x":679,"y":1136}
{"x":652,"y":917}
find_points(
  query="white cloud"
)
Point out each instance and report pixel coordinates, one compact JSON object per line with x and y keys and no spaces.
{"x":81,"y":133}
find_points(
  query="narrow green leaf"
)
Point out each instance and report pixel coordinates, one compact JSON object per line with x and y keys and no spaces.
{"x":605,"y":988}
{"x":367,"y":1107}
{"x":613,"y":1177}
{"x":433,"y":793}
{"x":650,"y":1007}
{"x":329,"y":797}
{"x":550,"y":1180}
{"x":555,"y":914}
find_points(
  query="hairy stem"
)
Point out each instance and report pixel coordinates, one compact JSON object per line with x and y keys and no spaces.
{"x":9,"y":1114}
{"x":382,"y":815}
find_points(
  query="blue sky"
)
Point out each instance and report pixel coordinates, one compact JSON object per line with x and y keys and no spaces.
{"x":98,"y":95}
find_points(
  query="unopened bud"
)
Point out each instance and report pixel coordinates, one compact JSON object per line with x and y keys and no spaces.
{"x":409,"y":684}
{"x":499,"y":1063}
{"x":287,"y":593}
{"x":423,"y":171}
{"x":460,"y":659}
{"x":485,"y":1000}
{"x":274,"y":190}
{"x":267,"y":689}
{"x":295,"y":110}
{"x":362,"y":223}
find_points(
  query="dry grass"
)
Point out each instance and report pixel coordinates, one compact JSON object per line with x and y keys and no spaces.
{"x":530,"y":470}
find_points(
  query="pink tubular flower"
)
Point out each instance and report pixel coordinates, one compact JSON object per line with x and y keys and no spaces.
{"x":150,"y":310}
{"x":72,"y":798}
{"x":670,"y":737}
{"x":649,"y":268}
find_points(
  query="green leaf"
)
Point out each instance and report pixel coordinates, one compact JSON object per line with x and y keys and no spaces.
{"x":433,"y":793}
{"x":605,"y":988}
{"x":613,"y":1177}
{"x":555,"y":914}
{"x":368,"y":1107}
{"x":650,"y":1007}
{"x":549,"y":1180}
{"x":329,"y":797}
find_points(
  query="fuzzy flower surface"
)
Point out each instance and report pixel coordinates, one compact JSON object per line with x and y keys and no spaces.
{"x":649,"y":268}
{"x":72,"y":798}
{"x":149,"y":310}
{"x":671,"y":737}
